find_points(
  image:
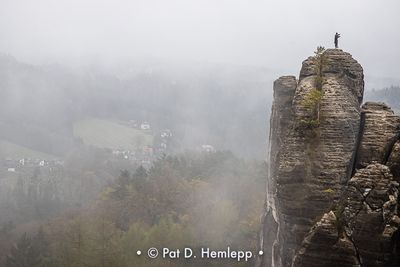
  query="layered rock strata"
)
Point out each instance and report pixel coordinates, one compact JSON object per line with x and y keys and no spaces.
{"x":332,"y":190}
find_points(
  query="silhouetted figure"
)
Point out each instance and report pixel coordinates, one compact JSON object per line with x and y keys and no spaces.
{"x":337,"y":36}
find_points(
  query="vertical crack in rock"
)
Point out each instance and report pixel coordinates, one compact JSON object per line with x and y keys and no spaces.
{"x":391,"y":146}
{"x":393,"y":161}
{"x":331,"y":200}
{"x":366,"y":217}
{"x":381,"y":128}
{"x":356,"y":250}
{"x":267,"y":237}
{"x":360,"y":136}
{"x":326,"y":245}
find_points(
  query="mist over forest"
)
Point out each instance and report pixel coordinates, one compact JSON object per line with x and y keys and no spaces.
{"x":141,"y":139}
{"x":143,"y":150}
{"x":126,"y":125}
{"x":191,"y":101}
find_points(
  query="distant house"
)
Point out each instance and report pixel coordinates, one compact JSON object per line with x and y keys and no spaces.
{"x":145,"y":126}
{"x":166,"y":133}
{"x":117,"y":152}
{"x":208,"y":149}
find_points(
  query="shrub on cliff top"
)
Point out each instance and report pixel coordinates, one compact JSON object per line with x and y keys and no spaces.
{"x":312,"y":99}
{"x":320,"y":63}
{"x":311,"y":103}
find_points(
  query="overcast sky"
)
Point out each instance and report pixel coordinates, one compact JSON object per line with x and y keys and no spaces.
{"x":275,"y":34}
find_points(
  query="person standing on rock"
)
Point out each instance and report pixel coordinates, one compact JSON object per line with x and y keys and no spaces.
{"x":337,"y":36}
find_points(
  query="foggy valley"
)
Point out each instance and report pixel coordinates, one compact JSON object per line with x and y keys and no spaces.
{"x":130,"y":125}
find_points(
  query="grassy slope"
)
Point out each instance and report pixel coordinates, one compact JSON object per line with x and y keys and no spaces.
{"x":108,"y":134}
{"x":14,"y":151}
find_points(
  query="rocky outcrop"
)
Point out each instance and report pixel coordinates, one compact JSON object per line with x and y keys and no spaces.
{"x":282,"y":115}
{"x":326,"y":246}
{"x":331,"y":177}
{"x":362,"y":228}
{"x":380,"y":132}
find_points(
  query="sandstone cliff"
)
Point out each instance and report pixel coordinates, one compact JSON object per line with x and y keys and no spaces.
{"x":332,"y":190}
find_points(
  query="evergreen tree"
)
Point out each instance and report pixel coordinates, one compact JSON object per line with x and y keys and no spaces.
{"x":40,"y":248}
{"x":23,"y":254}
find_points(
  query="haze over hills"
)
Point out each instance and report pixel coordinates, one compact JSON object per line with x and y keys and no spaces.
{"x":189,"y":101}
{"x":66,"y":135}
{"x":127,"y":125}
{"x":135,"y":152}
{"x":389,"y":95}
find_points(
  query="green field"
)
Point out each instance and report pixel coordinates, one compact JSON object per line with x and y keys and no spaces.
{"x":108,"y":134}
{"x":14,"y":151}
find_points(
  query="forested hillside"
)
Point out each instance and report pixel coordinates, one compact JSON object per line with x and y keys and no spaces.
{"x":190,"y":200}
{"x":93,"y":162}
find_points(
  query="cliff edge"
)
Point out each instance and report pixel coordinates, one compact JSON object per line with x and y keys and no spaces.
{"x":332,"y":189}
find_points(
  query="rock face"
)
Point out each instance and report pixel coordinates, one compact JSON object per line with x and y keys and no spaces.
{"x":332,"y":190}
{"x":380,"y":132}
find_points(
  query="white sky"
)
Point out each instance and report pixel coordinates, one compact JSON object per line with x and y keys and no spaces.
{"x":275,"y":34}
